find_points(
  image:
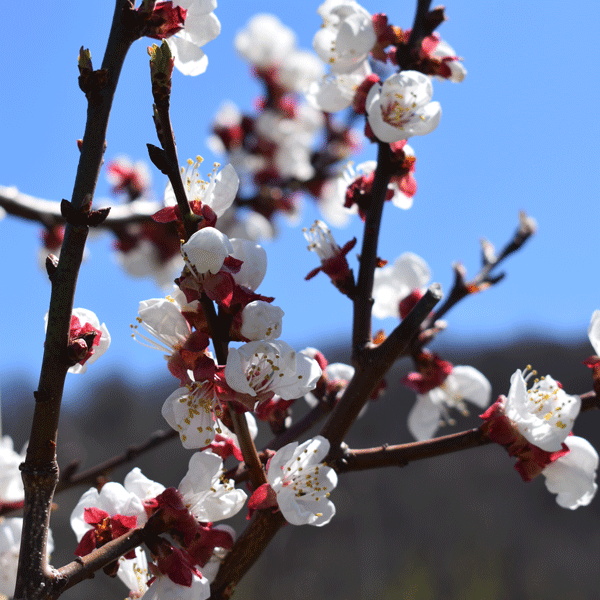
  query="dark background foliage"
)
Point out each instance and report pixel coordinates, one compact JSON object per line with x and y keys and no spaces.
{"x":462,"y":526}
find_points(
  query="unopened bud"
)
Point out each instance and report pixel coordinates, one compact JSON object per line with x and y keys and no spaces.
{"x":161,"y":70}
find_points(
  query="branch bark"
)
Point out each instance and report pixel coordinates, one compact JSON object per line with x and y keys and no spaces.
{"x":35,"y":579}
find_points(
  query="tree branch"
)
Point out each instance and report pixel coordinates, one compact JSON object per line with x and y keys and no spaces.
{"x":40,"y":470}
{"x":373,"y":367}
{"x":363,"y":302}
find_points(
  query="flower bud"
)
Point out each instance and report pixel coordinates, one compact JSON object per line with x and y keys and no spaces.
{"x":206,"y":251}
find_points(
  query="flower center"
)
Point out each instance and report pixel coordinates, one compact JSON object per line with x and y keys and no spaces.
{"x":397,"y":112}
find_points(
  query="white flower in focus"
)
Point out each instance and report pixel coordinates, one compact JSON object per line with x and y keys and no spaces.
{"x":265,"y":41}
{"x":302,"y":483}
{"x":254,"y":265}
{"x":206,"y":251}
{"x":10,"y":545}
{"x":190,"y":410}
{"x":267,"y":368}
{"x":395,"y":282}
{"x":11,"y":483}
{"x":573,"y":476}
{"x":162,"y":319}
{"x":261,"y":321}
{"x":544,"y":415}
{"x":431,"y":409}
{"x":347,"y":35}
{"x":200,"y":27}
{"x":206,"y":493}
{"x":113,"y":499}
{"x":401,"y":107}
{"x":594,"y":332}
{"x":218,"y":192}
{"x":137,"y":483}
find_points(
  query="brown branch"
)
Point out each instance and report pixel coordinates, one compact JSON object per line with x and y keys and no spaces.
{"x":375,"y":364}
{"x":363,"y":302}
{"x":40,"y":470}
{"x":245,"y":552}
{"x":402,"y":454}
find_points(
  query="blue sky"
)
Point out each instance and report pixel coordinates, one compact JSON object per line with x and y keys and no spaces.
{"x":521,"y":132}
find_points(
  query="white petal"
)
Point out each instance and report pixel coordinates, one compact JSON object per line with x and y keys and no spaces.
{"x":254,"y":268}
{"x":206,"y":250}
{"x":472,"y":385}
{"x":137,"y":483}
{"x":424,"y":417}
{"x":200,"y":27}
{"x":189,"y":58}
{"x":573,"y":477}
{"x":594,"y":331}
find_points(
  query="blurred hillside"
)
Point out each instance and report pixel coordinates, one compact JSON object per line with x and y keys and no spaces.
{"x":462,"y":526}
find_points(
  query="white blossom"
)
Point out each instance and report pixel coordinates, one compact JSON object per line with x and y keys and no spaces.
{"x":544,"y":414}
{"x":302,"y":483}
{"x":218,"y":192}
{"x":254,"y":265}
{"x":271,"y":368}
{"x":190,"y":410}
{"x":200,"y":27}
{"x":347,"y":35}
{"x":162,"y":319}
{"x":395,"y":282}
{"x":573,"y":476}
{"x":261,"y":321}
{"x":206,"y":493}
{"x":206,"y":251}
{"x":113,"y":499}
{"x":401,"y":107}
{"x":431,"y":409}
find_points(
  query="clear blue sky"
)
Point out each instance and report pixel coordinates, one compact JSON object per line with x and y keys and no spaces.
{"x":521,"y":132}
